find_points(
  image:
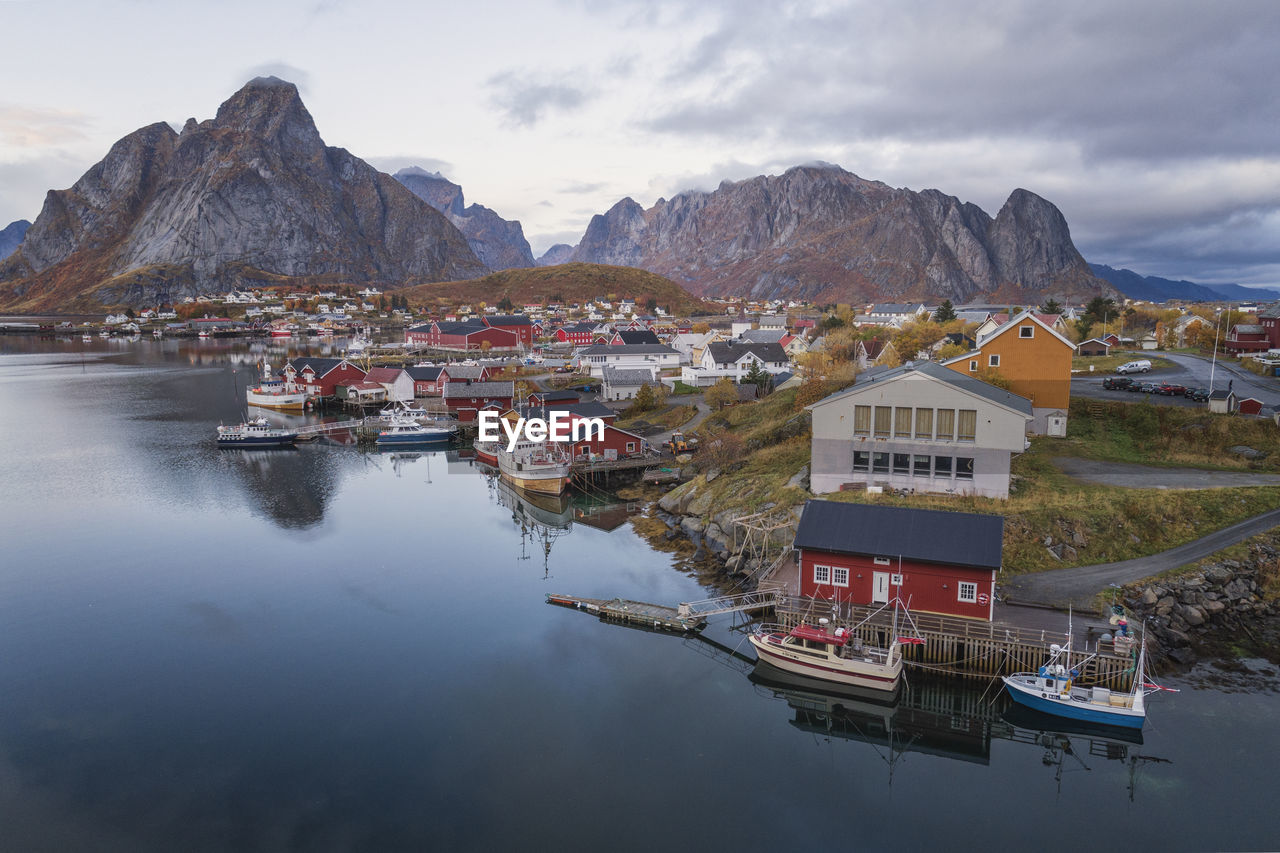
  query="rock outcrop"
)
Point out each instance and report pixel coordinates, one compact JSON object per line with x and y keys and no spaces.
{"x":825,"y":234}
{"x":498,"y":243}
{"x":11,"y":237}
{"x":252,"y":196}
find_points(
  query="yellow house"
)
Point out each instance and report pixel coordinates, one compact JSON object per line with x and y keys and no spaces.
{"x":1035,"y":360}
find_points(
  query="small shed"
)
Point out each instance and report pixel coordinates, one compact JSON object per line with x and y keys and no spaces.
{"x":1222,"y":402}
{"x":1094,"y":347}
{"x":1249,"y":406}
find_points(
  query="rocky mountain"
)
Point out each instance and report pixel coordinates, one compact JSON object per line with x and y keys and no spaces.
{"x":499,"y":243}
{"x":11,"y":237}
{"x":557,"y":254}
{"x":252,"y":196}
{"x":1156,"y":289}
{"x":819,"y":232}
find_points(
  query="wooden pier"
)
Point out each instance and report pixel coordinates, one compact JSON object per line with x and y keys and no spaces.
{"x":638,"y":613}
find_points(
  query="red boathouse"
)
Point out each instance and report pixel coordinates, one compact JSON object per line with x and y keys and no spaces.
{"x":934,"y":561}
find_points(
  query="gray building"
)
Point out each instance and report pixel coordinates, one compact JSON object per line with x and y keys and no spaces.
{"x":922,"y":427}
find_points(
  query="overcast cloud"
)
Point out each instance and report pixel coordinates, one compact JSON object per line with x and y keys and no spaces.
{"x":1152,"y":125}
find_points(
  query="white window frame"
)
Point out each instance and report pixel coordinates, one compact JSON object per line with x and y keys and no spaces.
{"x":631,"y":447}
{"x":821,"y":574}
{"x":971,"y":588}
{"x":895,"y":579}
{"x":836,"y":573}
{"x":1024,"y":330}
{"x":993,"y":360}
{"x":882,"y":561}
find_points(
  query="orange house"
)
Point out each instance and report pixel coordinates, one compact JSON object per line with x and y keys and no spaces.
{"x":1036,"y":360}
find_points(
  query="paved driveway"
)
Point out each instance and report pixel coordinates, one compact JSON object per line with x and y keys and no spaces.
{"x":1145,"y":477}
{"x":1190,"y":370}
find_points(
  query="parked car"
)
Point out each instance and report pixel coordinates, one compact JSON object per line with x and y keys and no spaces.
{"x":1142,"y":365}
{"x":1199,"y":395}
{"x":1170,"y":390}
{"x":1149,"y":388}
{"x":1117,"y":383}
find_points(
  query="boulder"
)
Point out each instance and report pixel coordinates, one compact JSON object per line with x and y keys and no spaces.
{"x":712,"y":474}
{"x":1236,"y":589}
{"x":1149,"y":597}
{"x":1176,"y":638}
{"x":800,"y":480}
{"x":1213,"y":608}
{"x":670,"y":502}
{"x":692,"y":526}
{"x":699,"y":505}
{"x":1217,"y":574}
{"x":1192,"y":615}
{"x":1247,"y":452}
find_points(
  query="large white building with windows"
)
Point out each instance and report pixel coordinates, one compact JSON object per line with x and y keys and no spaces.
{"x":919,"y":427}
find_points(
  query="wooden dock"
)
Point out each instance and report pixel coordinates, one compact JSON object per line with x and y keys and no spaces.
{"x":656,"y":616}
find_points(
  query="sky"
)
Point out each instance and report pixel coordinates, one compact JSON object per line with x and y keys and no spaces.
{"x":1153,"y":126}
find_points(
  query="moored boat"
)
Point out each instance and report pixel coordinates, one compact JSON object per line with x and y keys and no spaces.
{"x":255,"y":432}
{"x":487,"y":451}
{"x":838,"y":656}
{"x":405,"y":430}
{"x":1052,"y":690}
{"x":536,"y":466}
{"x":273,"y":394}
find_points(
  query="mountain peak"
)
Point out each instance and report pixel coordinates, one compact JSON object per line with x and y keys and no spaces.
{"x":270,"y":108}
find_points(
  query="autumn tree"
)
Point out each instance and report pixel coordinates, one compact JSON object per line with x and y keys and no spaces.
{"x":945,"y":314}
{"x":700,"y":328}
{"x":721,"y":394}
{"x":644,"y":401}
{"x":950,"y":351}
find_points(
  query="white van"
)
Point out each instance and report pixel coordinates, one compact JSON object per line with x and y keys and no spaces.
{"x":1142,"y":365}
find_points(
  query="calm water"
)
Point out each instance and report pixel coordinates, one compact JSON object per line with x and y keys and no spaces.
{"x":325,"y":649}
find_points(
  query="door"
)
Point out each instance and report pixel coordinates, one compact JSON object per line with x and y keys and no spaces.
{"x":1057,"y":425}
{"x":880,"y":588}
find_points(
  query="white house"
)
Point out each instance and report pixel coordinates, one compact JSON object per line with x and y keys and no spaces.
{"x":624,"y":384}
{"x":893,"y":314}
{"x":921,"y":426}
{"x":734,"y":359}
{"x":627,"y":357}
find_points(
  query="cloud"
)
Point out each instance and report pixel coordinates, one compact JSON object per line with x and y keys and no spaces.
{"x":394,"y":163}
{"x":582,"y":187}
{"x":24,"y":182}
{"x":525,"y":99}
{"x":291,"y":73}
{"x":37,"y":127}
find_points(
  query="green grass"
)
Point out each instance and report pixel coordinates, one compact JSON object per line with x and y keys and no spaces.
{"x":667,"y":418}
{"x":681,"y":388}
{"x":1108,"y":363}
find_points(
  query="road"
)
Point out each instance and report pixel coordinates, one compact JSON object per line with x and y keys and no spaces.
{"x":1130,"y":476}
{"x":1076,"y":586}
{"x":1190,"y":370}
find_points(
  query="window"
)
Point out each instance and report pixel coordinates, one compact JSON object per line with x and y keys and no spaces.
{"x":839,"y":576}
{"x":822,"y":574}
{"x":967,"y":592}
{"x":861,"y":460}
{"x":895,"y":579}
{"x":862,"y":420}
{"x":942,"y":466}
{"x":993,"y":360}
{"x":946,"y":424}
{"x":967,"y":425}
{"x":883,"y":415}
{"x":920,"y":465}
{"x":902,"y":463}
{"x":1026,"y":331}
{"x":924,"y":423}
{"x":901,"y":423}
{"x":631,"y":447}
{"x":880,"y":463}
{"x":973,"y":365}
{"x":964,"y":467}
{"x":882,"y":561}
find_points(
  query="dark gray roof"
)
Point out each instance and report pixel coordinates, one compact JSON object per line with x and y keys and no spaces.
{"x":423,"y":372}
{"x":1220,"y":394}
{"x":320,"y":366}
{"x":1271,"y":312}
{"x":558,"y":396}
{"x":579,"y":327}
{"x":462,"y":327}
{"x":616,"y":376}
{"x":627,"y":349}
{"x":463,"y":371}
{"x":763,"y":336}
{"x":638,"y":336}
{"x":927,"y":535}
{"x":508,"y":320}
{"x":730,"y":352}
{"x":590,"y":409}
{"x":895,"y":308}
{"x":943,"y":374}
{"x":479,"y":389}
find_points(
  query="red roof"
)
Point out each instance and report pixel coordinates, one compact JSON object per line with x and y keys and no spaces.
{"x":384,"y":374}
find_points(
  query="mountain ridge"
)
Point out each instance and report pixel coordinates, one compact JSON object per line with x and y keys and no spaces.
{"x":1153,"y":288}
{"x":499,"y":243}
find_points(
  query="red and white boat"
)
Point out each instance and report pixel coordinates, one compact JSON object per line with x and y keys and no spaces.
{"x":536,"y":466}
{"x":838,"y":655}
{"x":487,"y":451}
{"x":273,"y":394}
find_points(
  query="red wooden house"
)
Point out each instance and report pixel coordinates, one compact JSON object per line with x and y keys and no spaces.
{"x":933,"y":561}
{"x":319,"y":377}
{"x":578,"y":333}
{"x":427,"y":381}
{"x":614,"y":444}
{"x":517,"y":324}
{"x":464,"y":336}
{"x":1246,"y":337}
{"x":1249,"y":406}
{"x":466,"y":398}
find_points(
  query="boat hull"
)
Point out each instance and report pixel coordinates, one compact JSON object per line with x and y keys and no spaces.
{"x":279,"y":402}
{"x":1073,"y":710}
{"x":431,"y":438}
{"x":256,"y":441}
{"x":545,"y":486}
{"x":857,"y":673}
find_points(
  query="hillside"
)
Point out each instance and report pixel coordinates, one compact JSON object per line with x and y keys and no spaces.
{"x":1156,"y":289}
{"x":564,"y":283}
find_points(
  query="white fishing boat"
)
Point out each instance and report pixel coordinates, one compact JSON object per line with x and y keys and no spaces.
{"x":358,"y":345}
{"x":536,"y":466}
{"x":272,"y":393}
{"x":1053,"y":689}
{"x":819,"y":652}
{"x":402,"y":429}
{"x":255,"y":432}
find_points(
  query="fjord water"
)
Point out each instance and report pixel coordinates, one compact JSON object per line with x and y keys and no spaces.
{"x":327,"y":649}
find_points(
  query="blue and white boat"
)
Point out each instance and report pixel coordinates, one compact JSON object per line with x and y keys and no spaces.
{"x":406,"y":430}
{"x":256,"y":432}
{"x":1052,"y":690}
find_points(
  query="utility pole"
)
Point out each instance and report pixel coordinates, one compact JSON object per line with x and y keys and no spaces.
{"x":1214,"y":363}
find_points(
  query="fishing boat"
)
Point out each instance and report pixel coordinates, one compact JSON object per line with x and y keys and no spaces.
{"x":487,"y":451}
{"x":272,"y":394}
{"x":282,"y":331}
{"x":255,"y":432}
{"x":829,"y":655}
{"x":406,"y":430}
{"x":536,"y":466}
{"x":358,"y":345}
{"x":405,"y":409}
{"x":1053,"y":690}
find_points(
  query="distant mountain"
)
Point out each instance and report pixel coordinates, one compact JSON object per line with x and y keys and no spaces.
{"x":563,"y":283}
{"x":252,"y":196}
{"x":497,"y":242}
{"x":819,"y":232}
{"x":557,"y":254}
{"x":11,"y":237}
{"x":1155,"y":289}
